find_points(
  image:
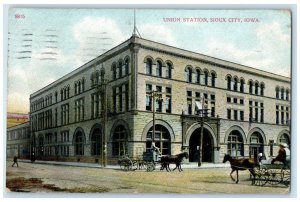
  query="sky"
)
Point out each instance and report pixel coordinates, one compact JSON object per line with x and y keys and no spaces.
{"x":46,"y":44}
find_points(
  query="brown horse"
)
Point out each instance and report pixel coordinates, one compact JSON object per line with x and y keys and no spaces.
{"x":173,"y":159}
{"x":240,"y":164}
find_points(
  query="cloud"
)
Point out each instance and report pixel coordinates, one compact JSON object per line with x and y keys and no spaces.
{"x":158,"y":33}
{"x":271,"y":54}
{"x":95,"y":36}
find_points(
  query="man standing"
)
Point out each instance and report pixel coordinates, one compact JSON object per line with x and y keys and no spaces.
{"x":15,"y":161}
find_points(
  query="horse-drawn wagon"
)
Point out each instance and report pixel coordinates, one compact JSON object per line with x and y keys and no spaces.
{"x":150,"y":160}
{"x":272,"y":174}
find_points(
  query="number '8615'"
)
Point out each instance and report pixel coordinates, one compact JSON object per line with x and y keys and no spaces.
{"x":19,"y":16}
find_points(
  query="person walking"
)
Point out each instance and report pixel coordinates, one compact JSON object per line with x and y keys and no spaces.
{"x":15,"y":161}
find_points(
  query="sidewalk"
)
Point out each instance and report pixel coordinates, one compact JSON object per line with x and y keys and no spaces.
{"x":95,"y":165}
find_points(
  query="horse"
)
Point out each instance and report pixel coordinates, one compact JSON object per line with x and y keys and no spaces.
{"x":166,"y":160}
{"x":240,"y":164}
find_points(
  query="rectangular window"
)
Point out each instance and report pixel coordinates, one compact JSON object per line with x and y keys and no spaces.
{"x":148,"y":97}
{"x":189,"y":93}
{"x":114,"y":100}
{"x":235,"y":100}
{"x":261,"y":104}
{"x":197,"y":95}
{"x":250,"y":114}
{"x":287,"y":117}
{"x":189,"y":106}
{"x":228,"y":99}
{"x":250,"y":103}
{"x":242,"y":115}
{"x":241,"y":101}
{"x":168,"y":100}
{"x":212,"y":109}
{"x":212,"y":97}
{"x":282,"y":117}
{"x":256,"y":114}
{"x":168,"y":104}
{"x":228,"y":113}
{"x":262,"y":115}
{"x":235,"y":114}
{"x":120,"y":99}
{"x":127,"y":96}
{"x":158,"y":101}
{"x":277,"y":117}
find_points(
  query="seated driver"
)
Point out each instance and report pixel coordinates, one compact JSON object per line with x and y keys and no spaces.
{"x":283,"y":154}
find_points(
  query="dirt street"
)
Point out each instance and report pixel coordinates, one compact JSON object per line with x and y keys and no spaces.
{"x":48,"y":178}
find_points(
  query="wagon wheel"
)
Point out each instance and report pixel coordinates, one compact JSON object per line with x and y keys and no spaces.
{"x":285,"y":176}
{"x":150,"y":166}
{"x":274,"y":176}
{"x":261,"y":177}
{"x":126,"y":165}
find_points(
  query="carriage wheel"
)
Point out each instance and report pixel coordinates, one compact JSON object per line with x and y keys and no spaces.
{"x":261,"y":178}
{"x":285,"y":176}
{"x":274,"y":176}
{"x":126,"y":165}
{"x":150,"y":166}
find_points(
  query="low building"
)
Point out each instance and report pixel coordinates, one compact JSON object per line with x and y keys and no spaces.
{"x":18,"y":141}
{"x":103,"y":109}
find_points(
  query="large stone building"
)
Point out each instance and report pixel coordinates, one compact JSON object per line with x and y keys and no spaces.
{"x":105,"y":107}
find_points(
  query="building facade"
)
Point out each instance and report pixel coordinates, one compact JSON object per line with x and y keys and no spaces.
{"x":18,"y":141}
{"x":103,"y":109}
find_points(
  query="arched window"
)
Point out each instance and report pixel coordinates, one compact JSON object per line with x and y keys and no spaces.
{"x":96,"y":142}
{"x":162,"y":139}
{"x":120,"y":69}
{"x":169,"y":71}
{"x":206,"y":78}
{"x":198,"y":74}
{"x":158,"y":68}
{"x":126,"y":66}
{"x":287,"y":94}
{"x":277,"y":92}
{"x":65,"y":93}
{"x":149,"y":66}
{"x":256,"y":88}
{"x":251,"y":87}
{"x":242,"y":83}
{"x":79,"y":143}
{"x":235,"y":145}
{"x":284,"y":138}
{"x":262,"y":86}
{"x":79,"y":87}
{"x":82,"y":85}
{"x":235,"y":84}
{"x":282,"y":94}
{"x":75,"y":88}
{"x":228,"y":82}
{"x":120,"y":141}
{"x":189,"y":74}
{"x":102,"y":73}
{"x":213,"y":79}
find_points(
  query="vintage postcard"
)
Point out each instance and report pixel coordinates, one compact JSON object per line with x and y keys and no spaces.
{"x":149,"y":101}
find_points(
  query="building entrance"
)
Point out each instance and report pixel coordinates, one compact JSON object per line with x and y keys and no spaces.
{"x":207,"y":146}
